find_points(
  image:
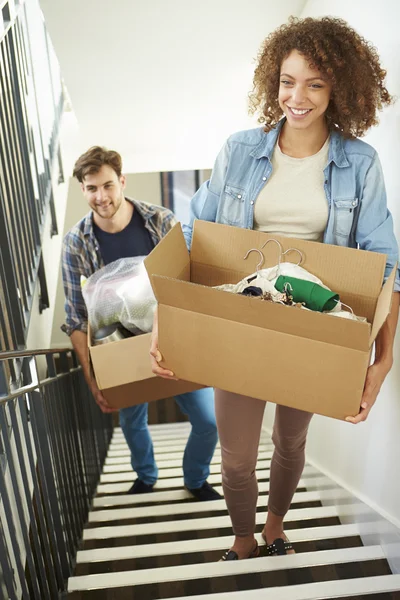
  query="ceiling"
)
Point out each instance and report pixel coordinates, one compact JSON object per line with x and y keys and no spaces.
{"x":164,"y":83}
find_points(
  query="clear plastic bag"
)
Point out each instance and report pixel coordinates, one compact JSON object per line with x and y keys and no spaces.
{"x":120,"y":292}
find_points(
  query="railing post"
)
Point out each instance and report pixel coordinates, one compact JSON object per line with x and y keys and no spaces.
{"x":44,"y":301}
{"x":54,"y":571}
{"x":3,"y":380}
{"x":41,"y":437}
{"x":6,"y":568}
{"x":4,"y":494}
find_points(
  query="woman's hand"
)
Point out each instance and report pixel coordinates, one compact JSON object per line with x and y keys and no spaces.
{"x":155,"y":354}
{"x":376,"y":375}
{"x":377,"y":372}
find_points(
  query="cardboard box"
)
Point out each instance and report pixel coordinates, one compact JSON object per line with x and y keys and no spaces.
{"x":303,"y":359}
{"x":123,"y":373}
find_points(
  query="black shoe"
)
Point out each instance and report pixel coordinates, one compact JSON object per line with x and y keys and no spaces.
{"x":231,"y":555}
{"x":140,"y":487}
{"x":205,"y":493}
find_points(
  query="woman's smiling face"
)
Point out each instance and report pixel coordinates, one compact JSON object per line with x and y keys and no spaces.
{"x":303,"y":92}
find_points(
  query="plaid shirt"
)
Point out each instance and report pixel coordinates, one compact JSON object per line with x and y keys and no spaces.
{"x":81,"y":256}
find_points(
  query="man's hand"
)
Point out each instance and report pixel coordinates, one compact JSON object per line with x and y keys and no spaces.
{"x":79,"y":341}
{"x":101,"y":401}
{"x":376,"y":375}
{"x":155,"y":354}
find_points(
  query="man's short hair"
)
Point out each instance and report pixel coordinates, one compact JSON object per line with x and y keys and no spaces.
{"x":93,"y":159}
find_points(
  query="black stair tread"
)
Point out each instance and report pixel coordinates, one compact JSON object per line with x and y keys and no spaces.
{"x":138,"y":504}
{"x":174,"y":560}
{"x":101,"y":493}
{"x":248,"y":581}
{"x":147,"y":502}
{"x":175,"y":536}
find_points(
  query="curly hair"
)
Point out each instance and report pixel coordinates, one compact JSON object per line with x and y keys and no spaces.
{"x":93,"y":159}
{"x":341,"y":55}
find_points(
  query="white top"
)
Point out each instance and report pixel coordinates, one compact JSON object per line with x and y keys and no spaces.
{"x":293,"y":203}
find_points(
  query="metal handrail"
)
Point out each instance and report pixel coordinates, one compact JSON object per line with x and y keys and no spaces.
{"x":53,"y":444}
{"x":37,"y":352}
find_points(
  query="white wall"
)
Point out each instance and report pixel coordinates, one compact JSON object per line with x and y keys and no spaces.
{"x":76,"y":208}
{"x":164,"y":83}
{"x":40,"y":325}
{"x":366,"y":458}
{"x":144,"y":186}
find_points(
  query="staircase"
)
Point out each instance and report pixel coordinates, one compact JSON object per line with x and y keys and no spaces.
{"x":166,"y":545}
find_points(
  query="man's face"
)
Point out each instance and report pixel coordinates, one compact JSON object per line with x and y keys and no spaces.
{"x":104,"y":191}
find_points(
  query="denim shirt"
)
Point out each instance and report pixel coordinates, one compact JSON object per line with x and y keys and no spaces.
{"x":353,"y":184}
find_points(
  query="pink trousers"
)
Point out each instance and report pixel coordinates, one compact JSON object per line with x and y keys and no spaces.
{"x":239,"y":421}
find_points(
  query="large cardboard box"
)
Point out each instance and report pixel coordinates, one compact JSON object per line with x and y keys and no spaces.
{"x":303,"y":359}
{"x":123,"y":373}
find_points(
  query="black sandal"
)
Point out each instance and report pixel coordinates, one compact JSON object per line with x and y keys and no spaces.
{"x":232,"y":555}
{"x":278,"y":547}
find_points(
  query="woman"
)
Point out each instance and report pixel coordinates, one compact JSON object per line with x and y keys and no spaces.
{"x":318,"y":85}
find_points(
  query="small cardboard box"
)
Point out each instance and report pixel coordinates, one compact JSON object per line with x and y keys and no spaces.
{"x":298,"y":358}
{"x":123,"y":373}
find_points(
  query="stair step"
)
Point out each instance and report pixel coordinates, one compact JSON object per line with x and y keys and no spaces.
{"x":182,"y":508}
{"x":210,"y":510}
{"x":372,"y":587}
{"x":177,"y":482}
{"x":168,"y":435}
{"x":119,"y":464}
{"x":207,"y":556}
{"x":198,"y":524}
{"x":166,"y":472}
{"x":208,"y":544}
{"x":159,"y":451}
{"x":225,"y":569}
{"x":289,"y":580}
{"x":171,"y":440}
{"x":160,"y":428}
{"x":178,"y":429}
{"x":182,"y":495}
{"x":178,"y":433}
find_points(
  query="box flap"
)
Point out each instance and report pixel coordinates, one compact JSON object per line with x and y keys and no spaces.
{"x":170,"y":257}
{"x":383,"y":306}
{"x":218,"y":252}
{"x":267,"y":315}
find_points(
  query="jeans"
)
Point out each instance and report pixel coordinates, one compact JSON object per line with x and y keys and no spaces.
{"x":199,"y":407}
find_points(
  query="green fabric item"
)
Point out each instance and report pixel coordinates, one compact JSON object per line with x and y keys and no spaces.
{"x":313,"y":295}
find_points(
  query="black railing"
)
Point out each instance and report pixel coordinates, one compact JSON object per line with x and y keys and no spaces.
{"x":26,"y":164}
{"x":53,"y":443}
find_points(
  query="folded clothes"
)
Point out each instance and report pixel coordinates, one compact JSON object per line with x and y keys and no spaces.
{"x":253,"y":290}
{"x":276,"y":284}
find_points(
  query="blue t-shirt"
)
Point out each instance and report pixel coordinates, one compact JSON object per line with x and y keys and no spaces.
{"x":134,"y":240}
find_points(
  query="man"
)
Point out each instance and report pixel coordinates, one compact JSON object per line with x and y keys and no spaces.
{"x":118,"y":227}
